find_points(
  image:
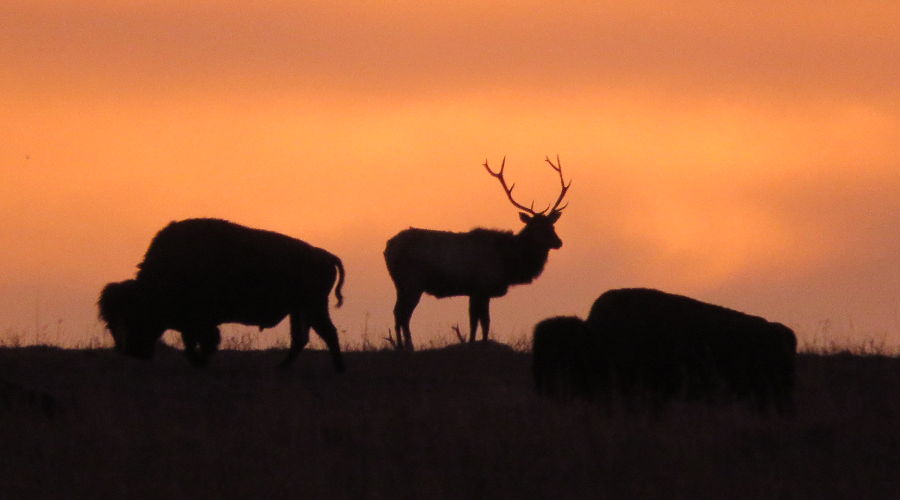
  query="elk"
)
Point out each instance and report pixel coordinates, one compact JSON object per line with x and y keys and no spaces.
{"x":200,"y":273}
{"x":481,"y":264}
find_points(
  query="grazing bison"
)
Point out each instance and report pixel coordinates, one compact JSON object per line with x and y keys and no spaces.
{"x":563,"y":358}
{"x":480,"y":264}
{"x":200,"y":273}
{"x":670,"y":344}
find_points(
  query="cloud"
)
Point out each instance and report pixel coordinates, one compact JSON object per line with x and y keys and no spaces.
{"x":711,"y":46}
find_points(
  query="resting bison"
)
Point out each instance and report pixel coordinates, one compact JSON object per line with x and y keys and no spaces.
{"x":648,"y":342}
{"x":563,"y":360}
{"x":200,"y":273}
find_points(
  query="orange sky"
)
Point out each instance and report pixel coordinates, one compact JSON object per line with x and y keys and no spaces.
{"x":743,"y":153}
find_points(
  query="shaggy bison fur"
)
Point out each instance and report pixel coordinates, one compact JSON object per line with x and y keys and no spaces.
{"x":200,"y":273}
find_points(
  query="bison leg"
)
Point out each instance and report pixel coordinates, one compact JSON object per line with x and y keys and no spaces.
{"x":191,"y":346}
{"x":200,"y":343}
{"x":210,"y":339}
{"x":406,"y":303}
{"x":299,"y":338}
{"x":321,"y":322}
{"x":784,"y":402}
{"x":783,"y":395}
{"x":479,"y":312}
{"x":772,"y":390}
{"x":324,"y":327}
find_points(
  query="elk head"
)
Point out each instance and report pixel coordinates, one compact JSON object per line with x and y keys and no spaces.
{"x":538,"y":225}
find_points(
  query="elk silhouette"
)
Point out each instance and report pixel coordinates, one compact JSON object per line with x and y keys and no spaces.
{"x":480,"y":264}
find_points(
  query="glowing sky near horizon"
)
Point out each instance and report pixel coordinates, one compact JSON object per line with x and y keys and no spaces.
{"x":744,"y":153}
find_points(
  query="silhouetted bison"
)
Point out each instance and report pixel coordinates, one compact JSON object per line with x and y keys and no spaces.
{"x":651,"y":343}
{"x":480,"y":264}
{"x":200,"y":273}
{"x":563,"y":357}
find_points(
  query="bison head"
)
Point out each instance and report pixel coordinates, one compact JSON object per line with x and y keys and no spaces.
{"x":128,"y":314}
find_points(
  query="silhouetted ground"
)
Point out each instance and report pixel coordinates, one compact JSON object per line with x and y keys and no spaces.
{"x":454,"y":422}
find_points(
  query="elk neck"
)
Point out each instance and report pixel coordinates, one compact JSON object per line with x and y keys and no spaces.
{"x":525,"y":260}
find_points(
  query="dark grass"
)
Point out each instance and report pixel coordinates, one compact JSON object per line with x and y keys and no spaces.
{"x":445,"y":423}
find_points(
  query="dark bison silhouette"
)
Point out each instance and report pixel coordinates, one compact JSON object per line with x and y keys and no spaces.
{"x":563,"y":357}
{"x":480,"y":264}
{"x":645,"y":342}
{"x":200,"y":273}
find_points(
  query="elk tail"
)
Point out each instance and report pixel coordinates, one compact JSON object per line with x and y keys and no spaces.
{"x":340,"y":283}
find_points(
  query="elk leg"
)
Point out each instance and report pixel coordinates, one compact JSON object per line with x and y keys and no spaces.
{"x":485,"y":319}
{"x":299,"y":338}
{"x":478,"y":312}
{"x":398,"y":326}
{"x":403,"y":309}
{"x":473,"y":318}
{"x":325,"y":329}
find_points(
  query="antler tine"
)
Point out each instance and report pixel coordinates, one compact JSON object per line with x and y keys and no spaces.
{"x":495,"y":174}
{"x":562,"y":183}
{"x":509,"y":189}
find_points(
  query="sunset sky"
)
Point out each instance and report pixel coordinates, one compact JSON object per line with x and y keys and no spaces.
{"x":743,"y":153}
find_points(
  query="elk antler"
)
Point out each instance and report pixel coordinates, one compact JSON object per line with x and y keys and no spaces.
{"x":563,"y":186}
{"x":508,"y":190}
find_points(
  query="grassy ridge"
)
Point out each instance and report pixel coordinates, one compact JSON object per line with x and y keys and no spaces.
{"x":453,"y":422}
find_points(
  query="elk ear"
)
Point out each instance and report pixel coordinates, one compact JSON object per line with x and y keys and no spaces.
{"x":524,"y":217}
{"x":554,"y":216}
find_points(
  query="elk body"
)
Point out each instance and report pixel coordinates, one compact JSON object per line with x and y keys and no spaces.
{"x":481,"y":264}
{"x":200,"y":273}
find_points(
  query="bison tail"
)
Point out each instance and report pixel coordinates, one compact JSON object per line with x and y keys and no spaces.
{"x":340,"y":283}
